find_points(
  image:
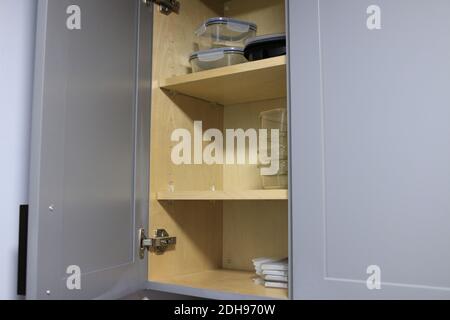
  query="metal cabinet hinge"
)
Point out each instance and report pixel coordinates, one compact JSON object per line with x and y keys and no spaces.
{"x":159,"y":244}
{"x":165,"y":6}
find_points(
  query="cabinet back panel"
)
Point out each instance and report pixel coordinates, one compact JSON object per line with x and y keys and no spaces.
{"x":254,"y":229}
{"x":246,"y":116}
{"x":248,"y":225}
{"x":269,"y":15}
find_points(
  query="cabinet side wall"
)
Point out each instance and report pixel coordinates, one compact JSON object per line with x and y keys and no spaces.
{"x":197,"y":226}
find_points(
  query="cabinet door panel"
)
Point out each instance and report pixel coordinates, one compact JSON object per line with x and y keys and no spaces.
{"x":86,"y":198}
{"x":370,"y":147}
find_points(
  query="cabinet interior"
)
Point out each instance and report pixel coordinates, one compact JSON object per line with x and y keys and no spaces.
{"x":220,"y":214}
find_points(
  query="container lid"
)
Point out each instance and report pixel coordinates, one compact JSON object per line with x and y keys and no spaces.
{"x":266,"y":38}
{"x":276,"y":115}
{"x":229,"y":21}
{"x":235,"y":30}
{"x":215,"y":54}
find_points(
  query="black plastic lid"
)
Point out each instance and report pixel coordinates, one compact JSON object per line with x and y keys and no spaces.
{"x":266,"y":39}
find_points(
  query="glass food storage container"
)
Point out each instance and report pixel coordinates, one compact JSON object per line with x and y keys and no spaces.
{"x":224,"y":32}
{"x":282,"y":151}
{"x":278,"y":180}
{"x":216,"y":58}
{"x":275,"y":120}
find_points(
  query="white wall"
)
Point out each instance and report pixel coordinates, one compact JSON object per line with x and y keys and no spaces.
{"x":17,"y":30}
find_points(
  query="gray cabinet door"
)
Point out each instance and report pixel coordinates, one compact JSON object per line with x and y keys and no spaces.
{"x":89,"y":166}
{"x":370,"y":116}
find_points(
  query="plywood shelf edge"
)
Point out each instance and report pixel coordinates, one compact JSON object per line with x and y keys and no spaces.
{"x":253,"y":195}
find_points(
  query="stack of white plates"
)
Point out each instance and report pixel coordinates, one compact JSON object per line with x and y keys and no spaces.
{"x":272,"y":273}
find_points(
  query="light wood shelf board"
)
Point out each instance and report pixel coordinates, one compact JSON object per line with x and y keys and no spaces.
{"x":223,"y":195}
{"x":237,"y":282}
{"x":247,"y":82}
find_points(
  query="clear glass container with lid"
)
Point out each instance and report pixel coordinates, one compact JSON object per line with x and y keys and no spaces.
{"x":216,"y":58}
{"x":224,"y":32}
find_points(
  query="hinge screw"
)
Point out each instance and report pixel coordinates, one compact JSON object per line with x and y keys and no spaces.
{"x":51,"y":208}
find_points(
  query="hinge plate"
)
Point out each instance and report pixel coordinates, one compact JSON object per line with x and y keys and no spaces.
{"x":165,"y":6}
{"x":158,"y":244}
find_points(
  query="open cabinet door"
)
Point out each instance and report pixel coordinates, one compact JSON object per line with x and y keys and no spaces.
{"x":90,"y":140}
{"x":371,"y":150}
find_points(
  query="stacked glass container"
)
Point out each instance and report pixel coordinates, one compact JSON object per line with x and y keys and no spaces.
{"x":221,"y":42}
{"x":275,"y":120}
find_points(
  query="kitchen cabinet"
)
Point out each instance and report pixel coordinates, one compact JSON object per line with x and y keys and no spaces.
{"x":110,"y":91}
{"x":365,"y":215}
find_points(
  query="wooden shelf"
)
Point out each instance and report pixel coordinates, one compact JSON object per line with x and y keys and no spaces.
{"x":236,"y":282}
{"x":247,"y":82}
{"x":223,"y":195}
